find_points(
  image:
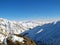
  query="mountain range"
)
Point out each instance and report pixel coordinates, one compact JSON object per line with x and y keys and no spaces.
{"x":42,"y":32}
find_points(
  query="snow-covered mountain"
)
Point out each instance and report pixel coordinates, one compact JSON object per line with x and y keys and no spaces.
{"x":8,"y":28}
{"x":15,"y":27}
{"x":39,"y":31}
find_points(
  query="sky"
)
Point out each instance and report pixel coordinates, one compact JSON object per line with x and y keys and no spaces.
{"x":29,"y":9}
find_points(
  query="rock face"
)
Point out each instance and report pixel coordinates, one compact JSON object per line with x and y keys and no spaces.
{"x":23,"y":41}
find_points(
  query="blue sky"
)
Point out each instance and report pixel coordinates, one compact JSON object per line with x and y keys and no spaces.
{"x":29,"y":9}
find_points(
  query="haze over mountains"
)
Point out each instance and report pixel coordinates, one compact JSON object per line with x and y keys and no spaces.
{"x":42,"y":32}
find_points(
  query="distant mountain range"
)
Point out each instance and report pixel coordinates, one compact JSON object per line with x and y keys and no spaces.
{"x":42,"y":32}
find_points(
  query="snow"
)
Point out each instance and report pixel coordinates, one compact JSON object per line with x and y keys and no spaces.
{"x":1,"y":38}
{"x":39,"y":31}
{"x":15,"y":38}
